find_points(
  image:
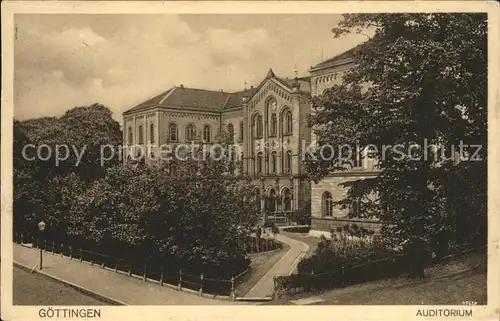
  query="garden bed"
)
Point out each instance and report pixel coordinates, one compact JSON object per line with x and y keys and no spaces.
{"x":297,"y":229}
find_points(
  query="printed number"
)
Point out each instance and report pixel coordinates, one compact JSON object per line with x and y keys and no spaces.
{"x":469,"y":302}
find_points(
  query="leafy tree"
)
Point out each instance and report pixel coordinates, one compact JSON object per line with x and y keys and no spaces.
{"x":43,"y":188}
{"x":421,"y":77}
{"x":190,"y":213}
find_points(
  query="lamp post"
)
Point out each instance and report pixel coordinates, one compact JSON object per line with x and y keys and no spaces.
{"x":41,"y":227}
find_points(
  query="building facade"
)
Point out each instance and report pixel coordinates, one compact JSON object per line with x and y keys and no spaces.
{"x":270,"y":125}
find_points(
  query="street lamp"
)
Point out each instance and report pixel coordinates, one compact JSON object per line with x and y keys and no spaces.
{"x":41,"y":227}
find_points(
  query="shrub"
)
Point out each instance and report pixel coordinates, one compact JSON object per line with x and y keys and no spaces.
{"x":342,"y":250}
{"x":303,"y":215}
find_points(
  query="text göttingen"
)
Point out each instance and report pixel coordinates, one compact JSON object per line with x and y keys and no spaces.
{"x":69,"y":313}
{"x":444,"y":313}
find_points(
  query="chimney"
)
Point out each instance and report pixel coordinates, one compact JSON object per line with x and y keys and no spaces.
{"x":251,"y":87}
{"x":182,"y":86}
{"x":222,"y":90}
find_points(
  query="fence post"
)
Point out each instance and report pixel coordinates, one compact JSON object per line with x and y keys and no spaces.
{"x":201,"y":284}
{"x":130,"y":269}
{"x":22,"y":238}
{"x":161,"y":274}
{"x":45,"y":245}
{"x":91,"y":258}
{"x":81,"y":254}
{"x":144,"y":273}
{"x":53,"y":247}
{"x":116,"y":267}
{"x":70,"y":252}
{"x":179,"y":286}
{"x":102,"y":265}
{"x":343,"y":275}
{"x":232,"y":294}
{"x":62,"y":249}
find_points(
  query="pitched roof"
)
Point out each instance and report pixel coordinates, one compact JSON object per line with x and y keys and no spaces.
{"x":270,"y":73}
{"x":211,"y":100}
{"x":189,"y":98}
{"x":346,"y":55}
{"x":234,"y":100}
{"x":149,"y":103}
{"x":304,"y":82}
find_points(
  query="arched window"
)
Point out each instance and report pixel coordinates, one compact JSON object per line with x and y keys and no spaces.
{"x":287,"y":122}
{"x":241,"y":131}
{"x":173,"y":132}
{"x":274,"y":125}
{"x":141,"y":135}
{"x":130,"y":142}
{"x":327,"y":204}
{"x":230,"y":130}
{"x":207,"y":134}
{"x":287,"y":163}
{"x":271,"y":201}
{"x":258,"y":126}
{"x":152,"y":133}
{"x":259,"y":163}
{"x":286,"y":200}
{"x":273,"y":163}
{"x":190,"y":133}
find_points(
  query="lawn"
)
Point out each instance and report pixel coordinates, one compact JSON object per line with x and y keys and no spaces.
{"x":462,"y":279}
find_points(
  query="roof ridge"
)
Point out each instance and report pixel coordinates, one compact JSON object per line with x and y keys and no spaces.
{"x":170,"y":91}
{"x":227,"y":100}
{"x":333,"y":58}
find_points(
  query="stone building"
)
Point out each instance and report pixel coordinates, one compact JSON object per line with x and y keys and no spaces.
{"x":267,"y":122}
{"x":326,"y":217}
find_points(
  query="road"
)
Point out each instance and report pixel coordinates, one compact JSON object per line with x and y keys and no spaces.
{"x":35,"y":289}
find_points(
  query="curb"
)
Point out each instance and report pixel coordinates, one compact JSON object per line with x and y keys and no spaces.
{"x":132,"y":275}
{"x":254,"y":299}
{"x":79,"y":288}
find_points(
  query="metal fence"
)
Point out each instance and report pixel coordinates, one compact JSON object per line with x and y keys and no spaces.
{"x":353,"y":274}
{"x":149,"y":270}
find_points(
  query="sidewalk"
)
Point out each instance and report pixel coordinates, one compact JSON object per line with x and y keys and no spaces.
{"x":115,"y":286}
{"x":285,"y":266}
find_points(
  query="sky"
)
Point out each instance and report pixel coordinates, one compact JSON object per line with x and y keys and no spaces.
{"x":64,"y":61}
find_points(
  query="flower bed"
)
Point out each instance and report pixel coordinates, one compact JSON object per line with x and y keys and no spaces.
{"x":262,"y":245}
{"x":297,"y":229}
{"x":341,"y":261}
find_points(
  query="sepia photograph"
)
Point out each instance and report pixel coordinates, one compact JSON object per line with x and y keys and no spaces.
{"x":249,"y":160}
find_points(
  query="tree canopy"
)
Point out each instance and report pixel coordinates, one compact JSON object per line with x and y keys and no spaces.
{"x":420,"y":78}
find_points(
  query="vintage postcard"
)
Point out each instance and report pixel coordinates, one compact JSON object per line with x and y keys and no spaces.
{"x":250,"y":160}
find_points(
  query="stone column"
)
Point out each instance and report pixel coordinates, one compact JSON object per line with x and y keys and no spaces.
{"x":246,"y":136}
{"x":125,"y":141}
{"x":295,"y":137}
{"x":263,"y":198}
{"x":134,"y":136}
{"x":278,"y":195}
{"x":146,"y":140}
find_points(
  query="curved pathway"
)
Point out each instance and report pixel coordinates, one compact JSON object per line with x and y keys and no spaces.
{"x":285,"y":266}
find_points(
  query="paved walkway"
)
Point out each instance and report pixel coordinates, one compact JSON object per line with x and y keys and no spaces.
{"x":107,"y":283}
{"x":285,"y":266}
